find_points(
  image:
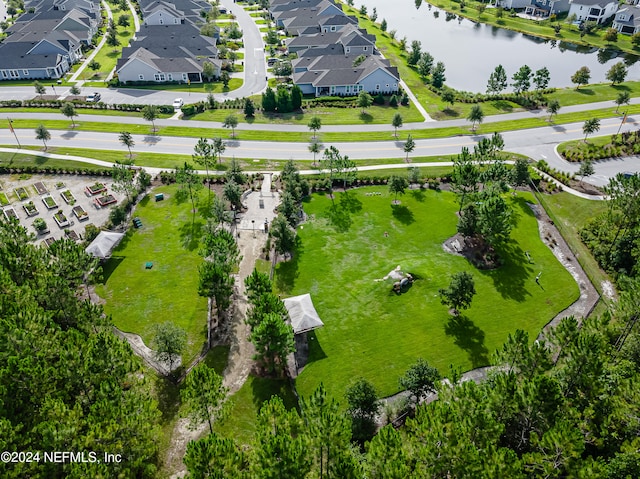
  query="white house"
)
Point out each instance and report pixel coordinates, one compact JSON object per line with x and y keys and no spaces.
{"x":598,"y":11}
{"x":627,"y":20}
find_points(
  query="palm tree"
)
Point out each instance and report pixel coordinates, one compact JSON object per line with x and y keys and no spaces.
{"x":127,"y":140}
{"x":43,"y":134}
{"x":590,"y":126}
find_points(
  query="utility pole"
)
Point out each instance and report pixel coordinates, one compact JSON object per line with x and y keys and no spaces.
{"x":13,"y":131}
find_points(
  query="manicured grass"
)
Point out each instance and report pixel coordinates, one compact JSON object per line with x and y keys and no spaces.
{"x":241,"y":424}
{"x":593,"y":93}
{"x":570,"y":213}
{"x":108,"y":56}
{"x":19,"y":160}
{"x":214,"y":87}
{"x":83,"y":111}
{"x":327,"y":137}
{"x":329,"y":116}
{"x":139,"y":298}
{"x":371,"y":332}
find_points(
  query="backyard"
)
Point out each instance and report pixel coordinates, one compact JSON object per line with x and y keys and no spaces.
{"x":139,"y":298}
{"x":370,"y":331}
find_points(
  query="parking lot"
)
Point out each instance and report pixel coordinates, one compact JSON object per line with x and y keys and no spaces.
{"x":63,"y":202}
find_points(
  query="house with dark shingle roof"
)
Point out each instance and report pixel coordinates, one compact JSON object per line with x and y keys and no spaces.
{"x":627,"y":20}
{"x":168,"y":53}
{"x":341,"y":75}
{"x":598,"y":11}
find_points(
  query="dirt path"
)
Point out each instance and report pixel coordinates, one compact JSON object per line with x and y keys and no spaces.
{"x":240,"y":355}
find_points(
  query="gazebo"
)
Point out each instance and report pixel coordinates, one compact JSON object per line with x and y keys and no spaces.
{"x":102,"y":246}
{"x":304,"y":318}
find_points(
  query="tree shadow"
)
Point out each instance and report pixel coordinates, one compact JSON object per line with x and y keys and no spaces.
{"x":287,"y":271}
{"x":469,"y":337}
{"x":366,"y":117}
{"x":448,"y":111}
{"x":151,"y":139}
{"x":339,"y":213}
{"x":418,"y":195}
{"x":621,"y":87}
{"x":502,"y":105}
{"x":585,"y":91}
{"x":403,"y":214}
{"x":263,"y":388}
{"x":109,"y":266}
{"x":510,"y":278}
{"x":190,"y":234}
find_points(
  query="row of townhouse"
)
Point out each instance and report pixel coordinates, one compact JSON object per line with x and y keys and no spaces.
{"x":334,"y":56}
{"x":44,"y":43}
{"x":626,"y":18}
{"x":169,"y":46}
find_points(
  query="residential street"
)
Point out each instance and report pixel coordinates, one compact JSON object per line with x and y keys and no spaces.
{"x":538,"y":143}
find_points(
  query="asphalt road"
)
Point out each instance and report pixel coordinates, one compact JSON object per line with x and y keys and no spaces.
{"x":538,"y":143}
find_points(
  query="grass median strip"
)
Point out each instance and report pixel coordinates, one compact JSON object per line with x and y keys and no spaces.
{"x":327,"y":137}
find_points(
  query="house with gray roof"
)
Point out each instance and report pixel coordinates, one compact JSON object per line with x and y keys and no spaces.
{"x":20,"y":62}
{"x":598,"y":11}
{"x":627,"y":20}
{"x":172,"y":12}
{"x":168,"y":53}
{"x":337,"y":75}
{"x":353,"y":40}
{"x":79,"y":23}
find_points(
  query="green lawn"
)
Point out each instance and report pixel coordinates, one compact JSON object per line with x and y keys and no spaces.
{"x":241,"y":424}
{"x":139,"y":298}
{"x":19,"y":160}
{"x":329,"y":116}
{"x":108,"y":56}
{"x":570,"y":213}
{"x":369,"y":331}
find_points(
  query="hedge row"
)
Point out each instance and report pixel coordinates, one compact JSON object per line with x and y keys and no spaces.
{"x":79,"y":104}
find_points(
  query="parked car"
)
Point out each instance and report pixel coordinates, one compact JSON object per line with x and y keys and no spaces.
{"x":272,"y":61}
{"x":94,"y":97}
{"x":178,"y":103}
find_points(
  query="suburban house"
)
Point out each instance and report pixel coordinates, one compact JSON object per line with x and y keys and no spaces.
{"x":514,"y":4}
{"x":323,"y":8}
{"x":598,"y":11}
{"x":627,"y":20}
{"x":79,"y":23}
{"x":336,"y":23}
{"x":46,"y":46}
{"x":337,"y":75}
{"x":162,"y":13}
{"x":353,"y":39}
{"x":168,"y":53}
{"x":173,"y":12}
{"x":545,"y":8}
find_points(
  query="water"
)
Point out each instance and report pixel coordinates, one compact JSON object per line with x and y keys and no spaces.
{"x":471,"y":51}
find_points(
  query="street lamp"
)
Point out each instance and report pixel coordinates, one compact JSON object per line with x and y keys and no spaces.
{"x":253,"y":227}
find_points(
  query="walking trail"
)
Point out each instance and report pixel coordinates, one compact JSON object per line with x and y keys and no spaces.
{"x":240,"y":361}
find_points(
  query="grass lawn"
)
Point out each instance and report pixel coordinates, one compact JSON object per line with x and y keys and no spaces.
{"x":329,"y":116}
{"x":19,"y":160}
{"x":241,"y":424}
{"x":570,"y":214}
{"x":371,"y":332}
{"x":213,"y":87}
{"x":139,"y":298}
{"x":108,"y":56}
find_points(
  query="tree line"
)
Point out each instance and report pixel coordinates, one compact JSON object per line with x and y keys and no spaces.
{"x":563,"y":406}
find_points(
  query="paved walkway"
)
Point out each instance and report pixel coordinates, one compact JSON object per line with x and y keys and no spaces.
{"x":95,"y":51}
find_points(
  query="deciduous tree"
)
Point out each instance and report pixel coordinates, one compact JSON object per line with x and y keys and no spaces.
{"x":397,"y":185}
{"x":43,"y":134}
{"x":460,"y":292}
{"x":231,"y":121}
{"x":315,"y":123}
{"x":150,"y":113}
{"x":169,"y":340}
{"x":497,"y":81}
{"x":617,"y":73}
{"x":581,"y":77}
{"x":408,"y":147}
{"x":69,"y":111}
